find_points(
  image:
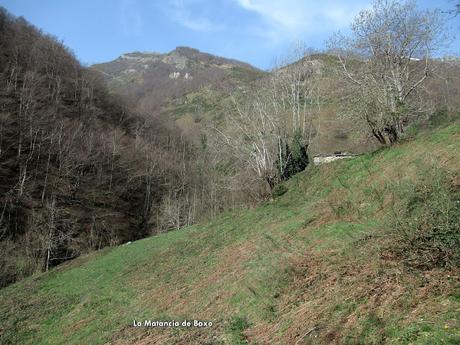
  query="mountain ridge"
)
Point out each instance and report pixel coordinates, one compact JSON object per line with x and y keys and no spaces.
{"x":152,"y":79}
{"x":184,"y":51}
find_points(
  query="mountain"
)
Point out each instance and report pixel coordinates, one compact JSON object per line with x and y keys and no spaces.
{"x":152,"y":79}
{"x":320,"y":264}
{"x":193,"y":88}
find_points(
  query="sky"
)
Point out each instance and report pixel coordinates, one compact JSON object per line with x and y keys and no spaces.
{"x":254,"y":31}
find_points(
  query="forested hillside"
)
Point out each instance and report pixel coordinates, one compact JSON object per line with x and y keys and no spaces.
{"x":83,"y":167}
{"x":354,"y":252}
{"x":79,"y":169}
{"x":147,"y":143}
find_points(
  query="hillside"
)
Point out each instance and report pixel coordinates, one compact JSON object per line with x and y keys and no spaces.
{"x":153,"y":79}
{"x":194,"y":89}
{"x":79,"y":168}
{"x":327,"y":262}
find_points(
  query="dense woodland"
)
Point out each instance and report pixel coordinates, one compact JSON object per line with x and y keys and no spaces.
{"x":79,"y":170}
{"x":82,"y":168}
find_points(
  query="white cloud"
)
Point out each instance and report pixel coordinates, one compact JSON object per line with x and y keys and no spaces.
{"x":184,"y":12}
{"x":285,"y":13}
{"x":274,"y":23}
{"x":304,"y":17}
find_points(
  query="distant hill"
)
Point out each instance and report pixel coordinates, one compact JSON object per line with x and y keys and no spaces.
{"x":152,"y":79}
{"x":194,"y":89}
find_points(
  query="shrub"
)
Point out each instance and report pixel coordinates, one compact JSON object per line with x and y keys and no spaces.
{"x":295,"y":156}
{"x":279,"y":190}
{"x":14,"y":263}
{"x":237,"y":326}
{"x":425,"y":230}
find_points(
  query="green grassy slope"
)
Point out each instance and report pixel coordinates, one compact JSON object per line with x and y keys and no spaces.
{"x":314,"y":266}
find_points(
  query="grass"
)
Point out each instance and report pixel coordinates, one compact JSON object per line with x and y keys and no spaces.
{"x":311,"y":267}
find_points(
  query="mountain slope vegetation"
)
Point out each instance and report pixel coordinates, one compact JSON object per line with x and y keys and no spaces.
{"x":79,"y":168}
{"x":151,"y":80}
{"x":195,"y":90}
{"x":334,"y":259}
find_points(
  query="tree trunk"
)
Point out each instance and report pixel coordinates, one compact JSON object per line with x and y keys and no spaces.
{"x":379,"y":136}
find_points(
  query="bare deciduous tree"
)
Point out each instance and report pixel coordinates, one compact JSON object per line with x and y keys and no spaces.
{"x":265,"y":120}
{"x":386,"y":60}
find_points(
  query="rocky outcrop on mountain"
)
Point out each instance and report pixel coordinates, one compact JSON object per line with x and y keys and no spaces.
{"x":152,"y":79}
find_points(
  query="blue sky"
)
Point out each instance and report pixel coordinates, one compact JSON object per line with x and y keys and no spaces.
{"x":255,"y":31}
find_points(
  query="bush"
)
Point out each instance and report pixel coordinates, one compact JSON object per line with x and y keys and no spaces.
{"x":425,"y":231}
{"x":14,"y":263}
{"x":237,"y":326}
{"x":279,"y":190}
{"x":296,"y":156}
